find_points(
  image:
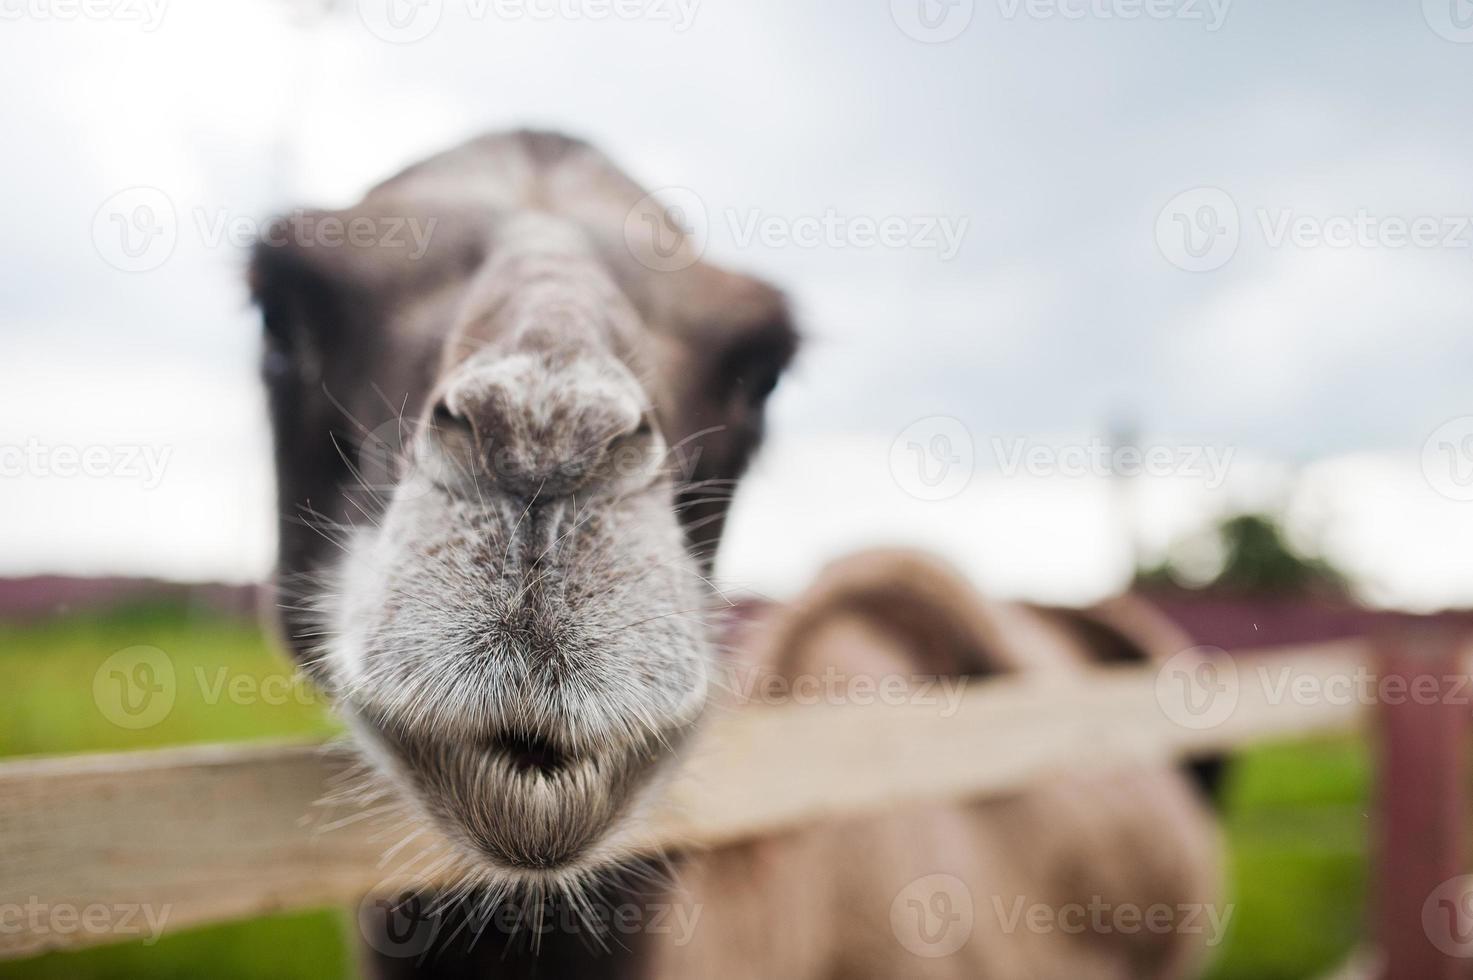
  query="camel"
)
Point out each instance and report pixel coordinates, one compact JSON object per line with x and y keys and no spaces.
{"x":504,"y":459}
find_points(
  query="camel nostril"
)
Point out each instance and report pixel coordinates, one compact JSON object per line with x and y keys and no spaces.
{"x":527,"y":752}
{"x":444,"y":419}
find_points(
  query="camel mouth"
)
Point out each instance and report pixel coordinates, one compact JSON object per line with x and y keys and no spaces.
{"x":527,"y":752}
{"x":546,"y":808}
{"x":523,"y":804}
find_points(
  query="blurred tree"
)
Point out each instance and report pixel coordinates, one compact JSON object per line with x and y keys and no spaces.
{"x":1256,"y":559}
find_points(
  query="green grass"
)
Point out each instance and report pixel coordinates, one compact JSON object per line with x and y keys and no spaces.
{"x":229,"y":683}
{"x":1296,"y":823}
{"x":1295,"y":819}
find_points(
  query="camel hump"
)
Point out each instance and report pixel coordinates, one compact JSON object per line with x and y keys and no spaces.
{"x":914,"y":611}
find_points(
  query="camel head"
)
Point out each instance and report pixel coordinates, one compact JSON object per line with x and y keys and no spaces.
{"x":504,"y":452}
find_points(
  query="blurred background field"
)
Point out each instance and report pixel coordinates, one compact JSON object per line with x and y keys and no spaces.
{"x":1296,"y":815}
{"x":47,"y":706}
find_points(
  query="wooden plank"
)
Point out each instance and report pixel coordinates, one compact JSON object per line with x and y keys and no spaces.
{"x":174,"y":838}
{"x":109,"y":848}
{"x":1423,"y":895}
{"x":1004,"y":733}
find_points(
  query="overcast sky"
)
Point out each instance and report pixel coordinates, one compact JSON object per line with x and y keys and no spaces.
{"x":1236,"y":227}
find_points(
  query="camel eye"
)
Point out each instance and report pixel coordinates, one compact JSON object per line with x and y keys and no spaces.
{"x":764,"y":385}
{"x":754,"y":385}
{"x":753,"y":367}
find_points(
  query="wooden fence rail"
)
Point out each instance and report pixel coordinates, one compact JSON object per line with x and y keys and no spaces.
{"x":183,"y":837}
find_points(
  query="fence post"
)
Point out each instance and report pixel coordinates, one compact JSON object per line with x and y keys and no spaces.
{"x":1421,"y":807}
